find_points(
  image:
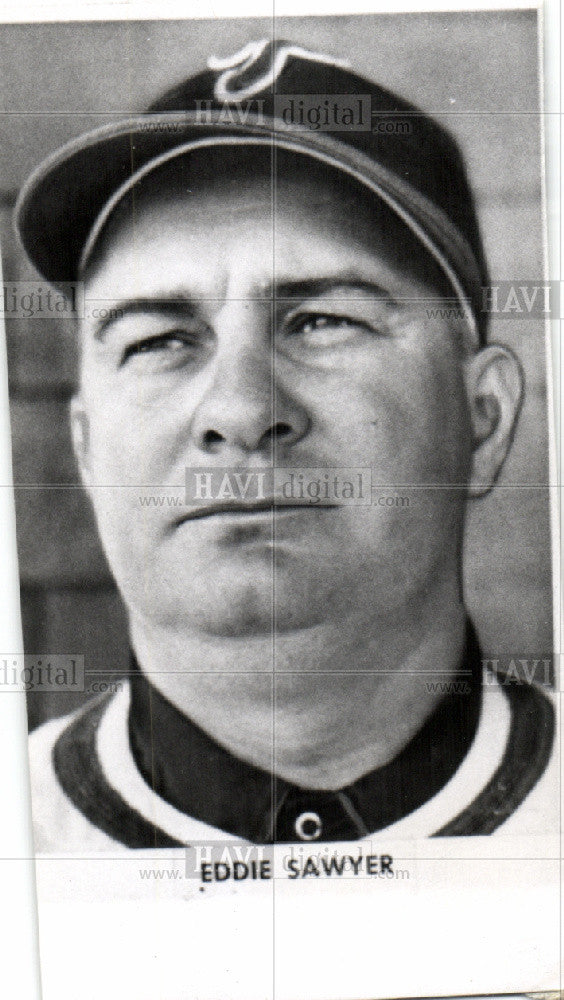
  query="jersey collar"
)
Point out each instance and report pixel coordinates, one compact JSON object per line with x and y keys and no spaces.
{"x":198,"y":776}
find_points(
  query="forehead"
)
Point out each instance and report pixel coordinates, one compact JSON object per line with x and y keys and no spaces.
{"x":273,"y":213}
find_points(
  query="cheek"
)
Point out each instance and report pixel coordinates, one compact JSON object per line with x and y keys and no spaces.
{"x":432,"y":419}
{"x":138,"y":431}
{"x":405,"y":417}
{"x":126,"y":445}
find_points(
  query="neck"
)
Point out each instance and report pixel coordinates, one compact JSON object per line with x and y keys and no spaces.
{"x":319,"y":707}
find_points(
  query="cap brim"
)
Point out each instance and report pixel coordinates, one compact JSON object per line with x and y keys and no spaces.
{"x":69,"y":193}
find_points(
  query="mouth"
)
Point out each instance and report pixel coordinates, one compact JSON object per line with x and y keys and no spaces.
{"x":271,"y":506}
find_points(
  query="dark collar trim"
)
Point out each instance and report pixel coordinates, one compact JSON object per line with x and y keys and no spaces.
{"x":80,"y":774}
{"x":527,"y":753}
{"x":529,"y":746}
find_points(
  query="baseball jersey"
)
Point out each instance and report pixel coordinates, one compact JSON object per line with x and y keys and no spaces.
{"x":129,"y":770}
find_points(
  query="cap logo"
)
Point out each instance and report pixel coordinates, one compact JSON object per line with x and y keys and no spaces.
{"x":256,"y":66}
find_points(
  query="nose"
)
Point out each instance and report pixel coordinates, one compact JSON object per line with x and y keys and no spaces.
{"x":245,"y":408}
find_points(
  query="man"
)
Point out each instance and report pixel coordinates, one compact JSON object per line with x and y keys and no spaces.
{"x":257,"y":301}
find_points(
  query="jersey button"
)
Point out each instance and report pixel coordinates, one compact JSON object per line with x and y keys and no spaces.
{"x":308,"y":826}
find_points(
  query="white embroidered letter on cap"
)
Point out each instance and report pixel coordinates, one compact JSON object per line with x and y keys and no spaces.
{"x":236,"y":65}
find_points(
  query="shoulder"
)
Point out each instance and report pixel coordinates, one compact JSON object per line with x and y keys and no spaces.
{"x":83,"y":785}
{"x":521,"y":793}
{"x":59,"y":826}
{"x":530,"y":772}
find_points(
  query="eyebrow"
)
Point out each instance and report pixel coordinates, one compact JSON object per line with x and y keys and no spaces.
{"x":165,"y":303}
{"x":162,"y":304}
{"x":311,"y":288}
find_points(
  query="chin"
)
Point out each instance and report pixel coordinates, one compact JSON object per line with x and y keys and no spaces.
{"x":230,"y":608}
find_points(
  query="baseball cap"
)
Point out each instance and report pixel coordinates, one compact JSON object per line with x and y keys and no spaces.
{"x":260,"y":96}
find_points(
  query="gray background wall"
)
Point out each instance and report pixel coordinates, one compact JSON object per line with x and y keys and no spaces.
{"x":476,"y":72}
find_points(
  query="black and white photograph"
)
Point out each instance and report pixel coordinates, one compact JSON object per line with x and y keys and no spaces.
{"x":277,"y":309}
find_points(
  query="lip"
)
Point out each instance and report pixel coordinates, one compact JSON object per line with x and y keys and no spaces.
{"x":249,"y":509}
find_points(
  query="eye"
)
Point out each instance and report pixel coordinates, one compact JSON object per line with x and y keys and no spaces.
{"x":325,"y":327}
{"x":171,"y":343}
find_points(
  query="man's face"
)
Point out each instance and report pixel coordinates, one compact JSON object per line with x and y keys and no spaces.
{"x":250,"y":330}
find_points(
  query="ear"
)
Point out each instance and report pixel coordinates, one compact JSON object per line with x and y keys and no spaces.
{"x":80,"y":434}
{"x":494,"y":385}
